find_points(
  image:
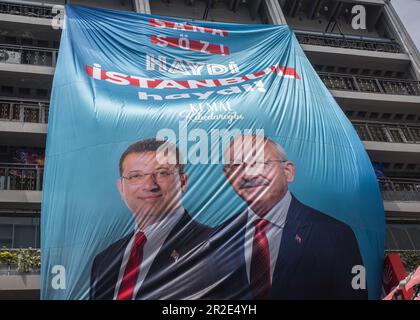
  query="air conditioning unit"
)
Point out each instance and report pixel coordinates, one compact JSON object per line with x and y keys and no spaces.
{"x":9,"y":56}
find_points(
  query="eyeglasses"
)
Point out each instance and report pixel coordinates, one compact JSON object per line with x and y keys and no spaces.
{"x":261,"y":165}
{"x":138,"y":177}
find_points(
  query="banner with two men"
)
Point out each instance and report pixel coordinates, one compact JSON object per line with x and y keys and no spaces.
{"x":198,"y":160}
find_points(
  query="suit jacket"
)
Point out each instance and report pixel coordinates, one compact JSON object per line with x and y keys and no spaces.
{"x":316,"y":256}
{"x":166,"y":278}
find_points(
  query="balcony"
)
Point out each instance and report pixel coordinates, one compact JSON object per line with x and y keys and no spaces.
{"x":353,"y":51}
{"x":27,"y":10}
{"x":374,"y":94}
{"x":23,"y":121}
{"x":400,"y":189}
{"x":21,"y":176}
{"x":387,"y":132}
{"x":14,"y":58}
{"x":19,"y":274}
{"x":401,"y":197}
{"x":336,"y":81}
{"x":15,"y":54}
{"x":30,"y":111}
{"x":390,"y":142}
{"x":349,"y":42}
{"x":35,"y":16}
{"x":20,"y":185}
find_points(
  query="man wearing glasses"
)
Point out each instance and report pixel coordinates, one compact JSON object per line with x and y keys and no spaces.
{"x":278,"y":248}
{"x":155,"y":261}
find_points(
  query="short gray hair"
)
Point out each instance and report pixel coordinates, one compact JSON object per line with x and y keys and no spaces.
{"x":279,"y":148}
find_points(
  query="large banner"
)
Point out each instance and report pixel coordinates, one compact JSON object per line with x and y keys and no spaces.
{"x":197,"y":160}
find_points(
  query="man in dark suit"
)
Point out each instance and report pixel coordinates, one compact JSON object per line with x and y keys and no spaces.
{"x":278,"y":248}
{"x":158,"y":260}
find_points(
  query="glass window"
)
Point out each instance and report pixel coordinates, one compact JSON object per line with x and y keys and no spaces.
{"x":24,"y":236}
{"x":19,"y":232}
{"x":6,"y":235}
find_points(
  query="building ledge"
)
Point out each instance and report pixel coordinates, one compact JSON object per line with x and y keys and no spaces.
{"x":27,"y":68}
{"x":4,"y":17}
{"x":20,"y":282}
{"x":402,"y":209}
{"x":18,"y":287}
{"x":393,"y":152}
{"x":376,"y":102}
{"x":22,"y":199}
{"x":23,"y":127}
{"x":324,"y":55}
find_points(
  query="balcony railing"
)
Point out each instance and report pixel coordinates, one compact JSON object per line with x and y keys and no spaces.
{"x":19,"y":261}
{"x":21,"y":176}
{"x":348,"y":42}
{"x":28,"y":55}
{"x":336,"y":81}
{"x":387,"y":132}
{"x":28,"y":111}
{"x":28,"y":10}
{"x":400,"y":189}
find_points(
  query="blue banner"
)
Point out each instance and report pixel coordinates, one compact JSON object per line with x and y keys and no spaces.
{"x":178,"y":149}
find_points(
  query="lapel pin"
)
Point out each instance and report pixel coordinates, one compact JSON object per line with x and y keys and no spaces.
{"x":175,"y":255}
{"x":298,"y":239}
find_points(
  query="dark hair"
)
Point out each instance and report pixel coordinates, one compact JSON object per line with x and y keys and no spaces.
{"x":150,"y":145}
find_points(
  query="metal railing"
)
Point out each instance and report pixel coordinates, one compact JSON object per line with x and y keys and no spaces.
{"x":28,"y":10}
{"x":14,"y":176}
{"x":400,"y":189}
{"x":28,"y":55}
{"x":24,"y":111}
{"x":387,"y":132}
{"x":349,"y":42}
{"x":337,"y":81}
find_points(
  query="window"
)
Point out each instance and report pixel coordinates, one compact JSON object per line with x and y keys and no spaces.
{"x":388,"y":74}
{"x":403,"y":237}
{"x":25,"y":91}
{"x":6,"y":90}
{"x":24,"y":236}
{"x":19,"y":232}
{"x":411,"y":166}
{"x":42,"y":43}
{"x":398,"y":166}
{"x":398,"y":116}
{"x":26,"y":41}
{"x":10,"y":40}
{"x":41,"y":93}
{"x":6,"y":235}
{"x":410,"y":117}
{"x":361,"y":114}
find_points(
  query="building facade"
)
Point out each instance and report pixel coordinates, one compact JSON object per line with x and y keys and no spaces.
{"x":373,"y":73}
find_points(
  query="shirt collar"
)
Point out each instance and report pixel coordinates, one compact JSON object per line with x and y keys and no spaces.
{"x":277,"y":215}
{"x":164,"y":226}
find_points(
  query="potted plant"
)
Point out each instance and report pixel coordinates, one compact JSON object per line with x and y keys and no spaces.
{"x":8,"y":260}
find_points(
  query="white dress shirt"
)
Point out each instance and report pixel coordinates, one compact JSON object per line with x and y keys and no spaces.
{"x":156,"y":235}
{"x":277,"y":219}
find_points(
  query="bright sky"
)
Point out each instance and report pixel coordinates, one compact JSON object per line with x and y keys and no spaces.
{"x":409,"y":13}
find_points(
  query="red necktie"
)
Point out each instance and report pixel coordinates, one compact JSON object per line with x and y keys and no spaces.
{"x":260,"y":279}
{"x":132,"y":269}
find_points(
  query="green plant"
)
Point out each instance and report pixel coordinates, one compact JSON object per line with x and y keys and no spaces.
{"x":28,"y":260}
{"x":8,"y":257}
{"x":411,"y":260}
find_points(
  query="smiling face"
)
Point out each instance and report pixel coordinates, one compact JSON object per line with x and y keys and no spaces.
{"x":260,"y":183}
{"x":150,"y":188}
